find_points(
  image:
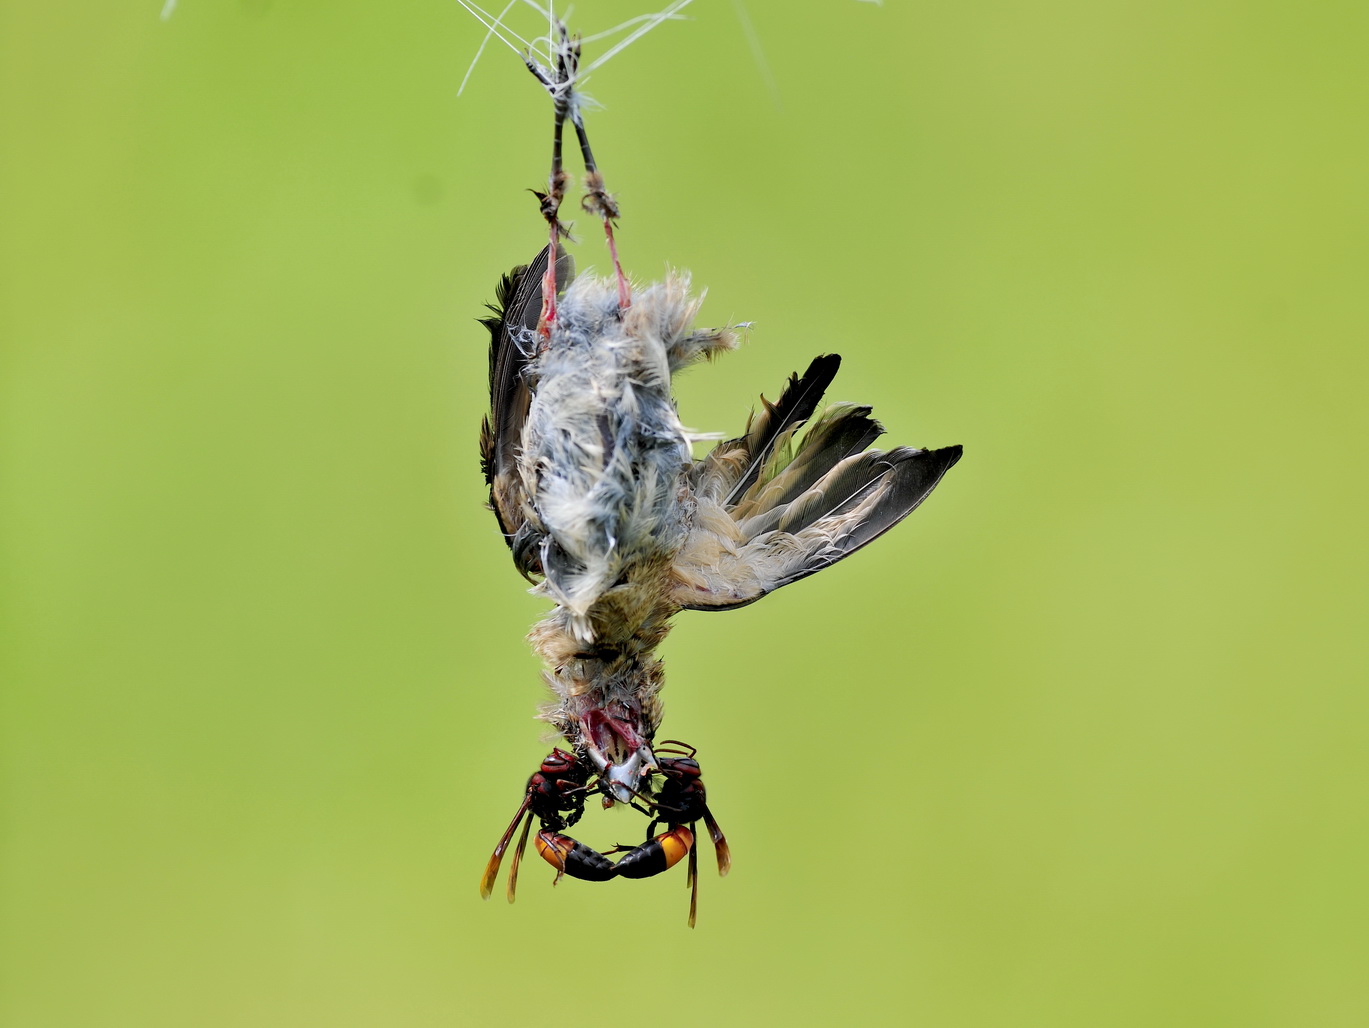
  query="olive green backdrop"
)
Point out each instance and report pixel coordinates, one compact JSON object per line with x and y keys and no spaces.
{"x":1082,"y":743}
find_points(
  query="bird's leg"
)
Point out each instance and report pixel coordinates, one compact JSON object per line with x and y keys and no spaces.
{"x":551,"y":205}
{"x":559,"y":81}
{"x":598,"y":202}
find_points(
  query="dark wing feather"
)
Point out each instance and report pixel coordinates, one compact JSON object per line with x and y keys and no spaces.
{"x":773,"y":509}
{"x":910,"y":478}
{"x":735,"y":465}
{"x":513,"y":344}
{"x":842,"y":430}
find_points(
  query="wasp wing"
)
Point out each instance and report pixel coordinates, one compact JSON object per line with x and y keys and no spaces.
{"x":774,"y":506}
{"x":513,"y":345}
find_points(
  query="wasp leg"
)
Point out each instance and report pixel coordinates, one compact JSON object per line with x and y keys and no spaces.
{"x":574,"y":858}
{"x":658,"y":854}
{"x":693,"y":882}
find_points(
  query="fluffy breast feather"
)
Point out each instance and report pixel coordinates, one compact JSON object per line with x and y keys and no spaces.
{"x":604,"y":451}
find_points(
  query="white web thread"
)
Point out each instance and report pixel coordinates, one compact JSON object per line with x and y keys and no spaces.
{"x":496,"y":26}
{"x":491,"y":29}
{"x":753,"y":40}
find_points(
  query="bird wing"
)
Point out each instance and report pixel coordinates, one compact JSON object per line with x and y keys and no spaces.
{"x":773,"y":506}
{"x":513,"y":345}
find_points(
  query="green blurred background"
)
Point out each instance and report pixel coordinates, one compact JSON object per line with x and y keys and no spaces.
{"x":1083,"y":743}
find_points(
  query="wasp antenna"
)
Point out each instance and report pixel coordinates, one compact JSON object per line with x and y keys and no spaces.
{"x":676,"y":746}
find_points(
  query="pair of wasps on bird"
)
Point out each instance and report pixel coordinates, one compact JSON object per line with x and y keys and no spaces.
{"x":604,"y":508}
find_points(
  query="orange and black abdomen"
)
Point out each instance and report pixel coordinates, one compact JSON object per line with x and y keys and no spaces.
{"x":660,"y":854}
{"x":574,"y":858}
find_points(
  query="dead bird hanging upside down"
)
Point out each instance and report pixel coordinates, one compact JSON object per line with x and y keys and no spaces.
{"x":600,"y":500}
